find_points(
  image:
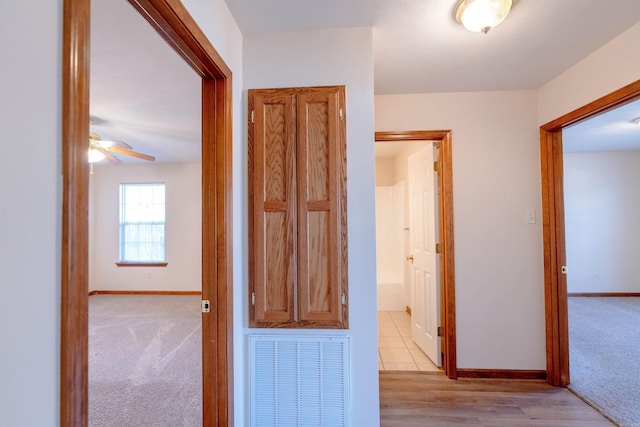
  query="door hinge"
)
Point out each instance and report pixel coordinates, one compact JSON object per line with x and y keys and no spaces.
{"x":252,"y":116}
{"x":440,"y":331}
{"x":253,"y":298}
{"x":436,"y":166}
{"x":344,"y":299}
{"x":340,"y":113}
{"x":205,"y":305}
{"x":438,"y":248}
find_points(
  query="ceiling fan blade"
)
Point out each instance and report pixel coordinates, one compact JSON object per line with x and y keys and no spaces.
{"x":118,"y":144}
{"x":131,"y":153}
{"x":110,"y":157}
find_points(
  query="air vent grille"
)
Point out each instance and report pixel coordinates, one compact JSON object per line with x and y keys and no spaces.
{"x":299,"y":381}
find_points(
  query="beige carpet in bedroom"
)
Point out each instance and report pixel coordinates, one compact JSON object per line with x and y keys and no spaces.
{"x":604,"y":355}
{"x":145,"y":361}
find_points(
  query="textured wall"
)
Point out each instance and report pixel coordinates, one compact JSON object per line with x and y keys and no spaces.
{"x":602,"y":201}
{"x":183,"y":229}
{"x":498,"y":258}
{"x":338,"y":57}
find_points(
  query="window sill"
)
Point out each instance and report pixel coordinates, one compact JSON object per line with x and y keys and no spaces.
{"x":142,"y":264}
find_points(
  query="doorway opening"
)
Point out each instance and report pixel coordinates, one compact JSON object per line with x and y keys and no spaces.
{"x":553,"y":213}
{"x":407,"y":226}
{"x":595,"y":299}
{"x":145,"y":334}
{"x":446,"y":322}
{"x":180,"y":31}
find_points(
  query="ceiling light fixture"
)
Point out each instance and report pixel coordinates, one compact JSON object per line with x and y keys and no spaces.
{"x":482,"y":15}
{"x":95,"y":156}
{"x":636,"y":120}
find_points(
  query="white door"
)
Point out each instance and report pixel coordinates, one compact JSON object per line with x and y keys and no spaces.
{"x":425,"y":310}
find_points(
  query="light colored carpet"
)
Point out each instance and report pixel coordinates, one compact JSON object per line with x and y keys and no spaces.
{"x":604,"y":351}
{"x":145,"y":363}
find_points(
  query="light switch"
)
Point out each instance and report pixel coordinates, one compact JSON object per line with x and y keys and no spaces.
{"x":529,"y":216}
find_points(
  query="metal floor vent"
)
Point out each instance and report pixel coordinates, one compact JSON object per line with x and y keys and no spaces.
{"x":299,"y":381}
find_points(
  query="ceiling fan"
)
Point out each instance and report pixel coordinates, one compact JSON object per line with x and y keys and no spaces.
{"x":100,"y":149}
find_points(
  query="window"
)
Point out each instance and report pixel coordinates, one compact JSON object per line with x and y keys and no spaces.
{"x":142,"y":223}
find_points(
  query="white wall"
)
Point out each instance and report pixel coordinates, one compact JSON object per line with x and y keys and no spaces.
{"x":336,"y":57}
{"x":498,"y":258}
{"x":183,"y":230}
{"x":609,"y":68}
{"x":602,"y":201}
{"x":390,"y":258}
{"x":30,"y":216}
{"x":390,"y":247}
{"x":385,"y":171}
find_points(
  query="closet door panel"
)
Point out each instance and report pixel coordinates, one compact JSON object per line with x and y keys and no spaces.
{"x":318,"y":142}
{"x":317,"y":149}
{"x":318,"y":298}
{"x":273,"y":195}
{"x":297,"y":208}
{"x":279,"y":270}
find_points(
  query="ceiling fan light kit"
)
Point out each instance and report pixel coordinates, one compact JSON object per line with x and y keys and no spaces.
{"x":95,"y":156}
{"x":100,"y":149}
{"x":482,"y":15}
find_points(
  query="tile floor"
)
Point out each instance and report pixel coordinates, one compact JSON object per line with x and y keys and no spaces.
{"x":396,"y":349}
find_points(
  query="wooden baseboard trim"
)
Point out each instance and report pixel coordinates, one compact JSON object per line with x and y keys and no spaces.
{"x":511,"y":374}
{"x":408,"y":310}
{"x":145,"y":293}
{"x":604,"y":294}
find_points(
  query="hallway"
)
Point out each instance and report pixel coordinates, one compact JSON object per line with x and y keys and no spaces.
{"x":426,"y":399}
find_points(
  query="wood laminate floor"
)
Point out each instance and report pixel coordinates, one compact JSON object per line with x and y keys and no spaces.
{"x":431,"y":399}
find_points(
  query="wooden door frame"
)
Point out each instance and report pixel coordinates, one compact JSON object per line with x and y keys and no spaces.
{"x":553,"y":231}
{"x":173,"y":22}
{"x":448,"y":303}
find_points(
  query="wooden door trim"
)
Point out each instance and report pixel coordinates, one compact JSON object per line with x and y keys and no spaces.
{"x":177,"y":27}
{"x":448,"y":303}
{"x":553,"y":231}
{"x":74,"y":335}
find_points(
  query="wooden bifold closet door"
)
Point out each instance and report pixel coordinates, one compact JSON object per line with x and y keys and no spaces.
{"x":297,"y":208}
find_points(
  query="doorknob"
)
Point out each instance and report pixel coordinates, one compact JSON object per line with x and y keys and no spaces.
{"x":410,"y":258}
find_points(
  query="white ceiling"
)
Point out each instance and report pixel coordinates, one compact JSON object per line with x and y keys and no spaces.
{"x":419,"y":47}
{"x":142,"y":93}
{"x":610,"y":131}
